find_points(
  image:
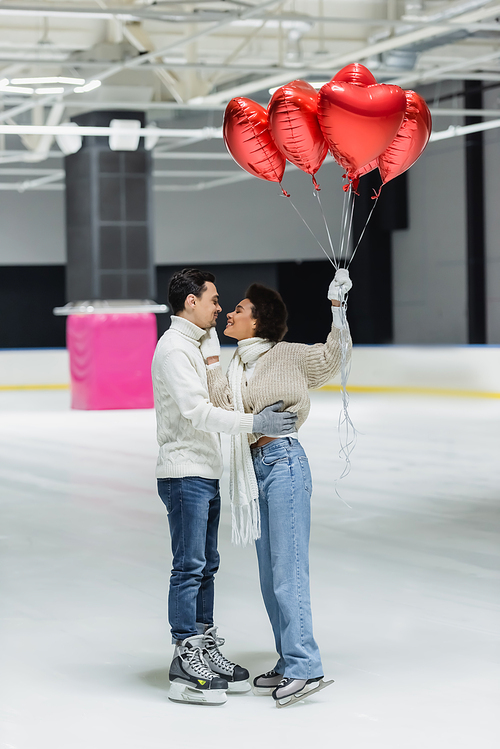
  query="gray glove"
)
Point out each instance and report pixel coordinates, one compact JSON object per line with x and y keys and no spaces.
{"x":274,"y":423}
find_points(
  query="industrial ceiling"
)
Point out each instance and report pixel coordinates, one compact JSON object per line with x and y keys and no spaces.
{"x":181,"y":62}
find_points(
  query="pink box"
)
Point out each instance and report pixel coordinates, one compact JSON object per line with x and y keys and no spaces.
{"x":110,"y":360}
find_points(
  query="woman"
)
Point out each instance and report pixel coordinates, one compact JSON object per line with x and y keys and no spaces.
{"x":270,"y":479}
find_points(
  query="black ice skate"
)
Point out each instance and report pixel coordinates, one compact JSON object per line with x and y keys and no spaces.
{"x":266,"y":683}
{"x":191,"y":679}
{"x":290,"y":691}
{"x":236,"y":676}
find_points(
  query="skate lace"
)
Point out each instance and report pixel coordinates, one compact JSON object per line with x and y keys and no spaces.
{"x":284,"y":682}
{"x":195,"y":659}
{"x":212,"y":646}
{"x":269,"y":674}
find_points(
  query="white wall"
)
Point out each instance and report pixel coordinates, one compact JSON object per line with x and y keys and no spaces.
{"x":247,"y":222}
{"x":429,"y":271}
{"x":32,"y":228}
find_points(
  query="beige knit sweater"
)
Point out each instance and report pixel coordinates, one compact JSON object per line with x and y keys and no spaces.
{"x":286,"y":372}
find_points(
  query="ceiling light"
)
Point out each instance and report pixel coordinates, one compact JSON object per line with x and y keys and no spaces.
{"x":124,"y":141}
{"x":90,"y":86}
{"x":16,"y":89}
{"x":50,"y":79}
{"x":69,"y":143}
{"x":55,"y":90}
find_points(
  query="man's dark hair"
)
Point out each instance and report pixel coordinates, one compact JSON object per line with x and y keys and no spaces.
{"x":185,"y":282}
{"x":269,"y":310}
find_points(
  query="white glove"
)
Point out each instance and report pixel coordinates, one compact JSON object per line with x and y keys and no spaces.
{"x":209,"y":344}
{"x":339,"y":317}
{"x":337,"y":290}
{"x":340,"y":285}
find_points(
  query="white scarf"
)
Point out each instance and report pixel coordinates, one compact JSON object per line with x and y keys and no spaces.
{"x":243,"y":489}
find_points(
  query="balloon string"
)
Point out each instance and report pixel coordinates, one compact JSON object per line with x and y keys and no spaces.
{"x":364,"y":229}
{"x":346,"y":429}
{"x":345,"y":230}
{"x":351,"y":218}
{"x":343,"y":226}
{"x":342,"y":221}
{"x":309,"y":228}
{"x":316,"y":195}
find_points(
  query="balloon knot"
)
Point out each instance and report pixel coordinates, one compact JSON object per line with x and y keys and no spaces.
{"x":376,"y":193}
{"x":315,"y":183}
{"x":284,"y":192}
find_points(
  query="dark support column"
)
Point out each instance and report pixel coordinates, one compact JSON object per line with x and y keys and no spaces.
{"x":474,"y":176}
{"x":108,"y":217}
{"x":370,"y":301}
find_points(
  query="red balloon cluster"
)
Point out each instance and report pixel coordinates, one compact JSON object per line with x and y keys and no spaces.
{"x":363,"y":124}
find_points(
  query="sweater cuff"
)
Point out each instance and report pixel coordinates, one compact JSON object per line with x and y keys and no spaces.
{"x":214,"y":365}
{"x":246,"y":423}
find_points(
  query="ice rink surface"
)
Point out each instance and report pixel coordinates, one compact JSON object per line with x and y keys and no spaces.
{"x":405,"y":584}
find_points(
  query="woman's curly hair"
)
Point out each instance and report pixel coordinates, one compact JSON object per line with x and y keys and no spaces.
{"x":269,"y":310}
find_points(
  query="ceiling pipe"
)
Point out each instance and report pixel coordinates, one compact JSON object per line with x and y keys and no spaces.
{"x":205,"y":133}
{"x":141,"y":59}
{"x":339,"y":61}
{"x":440,"y":72}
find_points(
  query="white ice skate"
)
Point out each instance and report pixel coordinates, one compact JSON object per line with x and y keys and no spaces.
{"x":265,"y":684}
{"x":236,"y":676}
{"x":191,"y":679}
{"x":290,"y":691}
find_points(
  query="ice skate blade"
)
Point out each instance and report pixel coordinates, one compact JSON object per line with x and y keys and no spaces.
{"x":238,"y":687}
{"x":308,"y":690}
{"x":184,"y":693}
{"x":263,"y":691}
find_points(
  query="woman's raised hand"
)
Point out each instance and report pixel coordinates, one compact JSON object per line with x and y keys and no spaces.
{"x":341,"y":284}
{"x":337,"y":292}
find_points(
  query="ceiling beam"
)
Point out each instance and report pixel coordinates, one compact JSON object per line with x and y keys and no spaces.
{"x":205,"y":133}
{"x":339,"y":61}
{"x":129,"y":13}
{"x":136,"y":62}
{"x":436,"y":73}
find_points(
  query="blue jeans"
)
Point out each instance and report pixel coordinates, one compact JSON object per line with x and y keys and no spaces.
{"x":285,"y":486}
{"x":193,"y":506}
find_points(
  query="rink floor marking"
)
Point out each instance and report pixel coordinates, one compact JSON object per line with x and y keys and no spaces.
{"x":35,"y":387}
{"x":405,"y":390}
{"x":402,"y":390}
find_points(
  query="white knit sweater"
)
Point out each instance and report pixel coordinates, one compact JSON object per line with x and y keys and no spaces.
{"x":188,"y":425}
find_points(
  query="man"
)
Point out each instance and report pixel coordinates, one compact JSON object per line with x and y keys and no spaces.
{"x":188,"y":471}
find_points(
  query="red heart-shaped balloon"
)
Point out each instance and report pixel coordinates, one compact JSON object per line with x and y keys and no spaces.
{"x":248,"y":140}
{"x":293,"y":123}
{"x":410,"y":141}
{"x":357,"y":74}
{"x":359,"y":123}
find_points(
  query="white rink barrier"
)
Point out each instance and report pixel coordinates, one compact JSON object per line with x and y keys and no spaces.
{"x":34,"y":369}
{"x":442,"y":370}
